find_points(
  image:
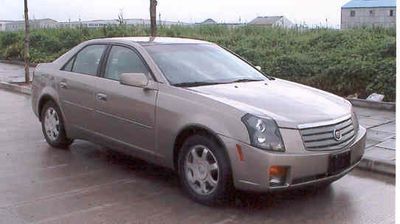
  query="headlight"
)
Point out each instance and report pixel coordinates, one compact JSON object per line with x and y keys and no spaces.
{"x":355,"y":121}
{"x":264,"y":133}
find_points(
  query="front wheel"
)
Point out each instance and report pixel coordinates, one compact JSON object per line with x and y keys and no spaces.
{"x":53,"y":126}
{"x":204,"y":170}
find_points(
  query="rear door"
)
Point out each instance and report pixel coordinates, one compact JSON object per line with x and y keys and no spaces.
{"x":125,"y":114}
{"x":77,"y":87}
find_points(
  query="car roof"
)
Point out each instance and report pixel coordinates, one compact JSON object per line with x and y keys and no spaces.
{"x":153,"y":40}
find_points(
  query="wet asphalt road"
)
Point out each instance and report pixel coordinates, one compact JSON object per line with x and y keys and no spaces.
{"x":89,"y":184}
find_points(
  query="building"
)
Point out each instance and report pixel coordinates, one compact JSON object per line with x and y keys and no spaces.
{"x":369,"y":13}
{"x":3,"y":24}
{"x":214,"y":23}
{"x":103,"y":23}
{"x":34,"y":24}
{"x":272,"y":21}
{"x":7,"y":25}
{"x":208,"y":21}
{"x":88,"y":24}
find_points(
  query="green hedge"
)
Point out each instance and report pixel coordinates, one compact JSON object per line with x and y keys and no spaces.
{"x":344,"y":62}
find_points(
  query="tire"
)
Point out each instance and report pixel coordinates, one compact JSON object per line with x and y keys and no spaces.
{"x":199,"y":177}
{"x":53,"y":126}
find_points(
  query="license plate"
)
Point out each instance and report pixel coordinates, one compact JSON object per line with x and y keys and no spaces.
{"x":339,"y":162}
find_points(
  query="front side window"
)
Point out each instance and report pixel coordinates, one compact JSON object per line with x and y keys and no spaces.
{"x":123,"y":60}
{"x":87,"y":60}
{"x":68,"y":66}
{"x":201,"y":64}
{"x":391,"y":12}
{"x":352,"y":13}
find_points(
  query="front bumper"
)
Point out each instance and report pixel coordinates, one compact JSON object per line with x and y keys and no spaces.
{"x":251,"y":172}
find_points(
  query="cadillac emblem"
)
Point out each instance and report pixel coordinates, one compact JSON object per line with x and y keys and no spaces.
{"x":337,"y":134}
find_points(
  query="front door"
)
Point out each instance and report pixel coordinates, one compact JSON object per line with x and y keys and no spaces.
{"x":125,"y":114}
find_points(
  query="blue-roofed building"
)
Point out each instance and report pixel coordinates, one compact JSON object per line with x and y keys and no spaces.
{"x":369,"y":13}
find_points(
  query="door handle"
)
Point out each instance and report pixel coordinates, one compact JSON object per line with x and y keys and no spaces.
{"x":101,"y":96}
{"x":63,"y":85}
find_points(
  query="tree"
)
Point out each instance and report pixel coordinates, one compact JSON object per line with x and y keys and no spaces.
{"x":26,"y":42}
{"x":121,"y":19}
{"x":153,"y":17}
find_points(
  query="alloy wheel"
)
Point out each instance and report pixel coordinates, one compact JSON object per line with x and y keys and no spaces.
{"x":52,"y":124}
{"x":201,"y":170}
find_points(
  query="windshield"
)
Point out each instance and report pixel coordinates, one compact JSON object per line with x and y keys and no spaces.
{"x":201,"y":64}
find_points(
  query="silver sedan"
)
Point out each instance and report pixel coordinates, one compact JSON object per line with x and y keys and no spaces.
{"x":199,"y":109}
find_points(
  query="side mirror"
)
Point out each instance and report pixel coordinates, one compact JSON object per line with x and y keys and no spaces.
{"x":134,"y":79}
{"x":258,"y":67}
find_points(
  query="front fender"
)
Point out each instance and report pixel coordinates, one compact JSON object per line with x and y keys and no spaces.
{"x":178,"y":109}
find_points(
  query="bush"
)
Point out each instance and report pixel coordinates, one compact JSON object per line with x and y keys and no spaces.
{"x":344,"y":62}
{"x":11,"y":46}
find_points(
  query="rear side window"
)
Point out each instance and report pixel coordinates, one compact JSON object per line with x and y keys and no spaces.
{"x":87,"y":60}
{"x":123,"y":60}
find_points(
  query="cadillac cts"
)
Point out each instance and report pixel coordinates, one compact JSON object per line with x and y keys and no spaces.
{"x":199,"y":109}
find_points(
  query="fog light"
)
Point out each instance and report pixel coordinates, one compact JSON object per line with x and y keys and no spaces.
{"x":277,"y":175}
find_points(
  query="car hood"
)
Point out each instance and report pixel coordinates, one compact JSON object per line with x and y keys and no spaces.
{"x":290,"y":104}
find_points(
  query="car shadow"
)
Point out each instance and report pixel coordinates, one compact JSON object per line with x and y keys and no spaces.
{"x":240,"y":200}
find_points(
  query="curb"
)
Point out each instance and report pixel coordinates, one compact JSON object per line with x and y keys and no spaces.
{"x":378,"y":166}
{"x":15,"y":88}
{"x":391,"y":106}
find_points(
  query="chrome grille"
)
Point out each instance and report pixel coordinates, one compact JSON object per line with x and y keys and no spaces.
{"x":321,"y":138}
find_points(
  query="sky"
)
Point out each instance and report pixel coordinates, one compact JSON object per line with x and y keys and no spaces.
{"x":311,"y":12}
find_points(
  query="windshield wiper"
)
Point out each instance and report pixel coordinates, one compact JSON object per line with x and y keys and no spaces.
{"x":246,"y":80}
{"x":193,"y":84}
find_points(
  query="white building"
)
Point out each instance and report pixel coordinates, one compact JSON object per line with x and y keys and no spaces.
{"x":272,"y":21}
{"x":111,"y":22}
{"x":3,"y":24}
{"x":20,"y":25}
{"x":7,"y":25}
{"x":369,"y":13}
{"x":89,"y":24}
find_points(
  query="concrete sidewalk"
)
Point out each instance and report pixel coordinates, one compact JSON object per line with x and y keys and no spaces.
{"x":13,"y":73}
{"x":380,"y":155}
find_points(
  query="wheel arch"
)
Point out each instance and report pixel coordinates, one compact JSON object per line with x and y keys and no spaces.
{"x":193,"y":129}
{"x":42,"y":101}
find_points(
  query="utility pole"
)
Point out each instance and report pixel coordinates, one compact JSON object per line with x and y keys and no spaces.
{"x":26,"y":42}
{"x":153,"y":17}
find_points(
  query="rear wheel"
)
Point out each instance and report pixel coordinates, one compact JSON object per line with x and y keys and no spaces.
{"x":204,"y":170}
{"x":53,"y":126}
